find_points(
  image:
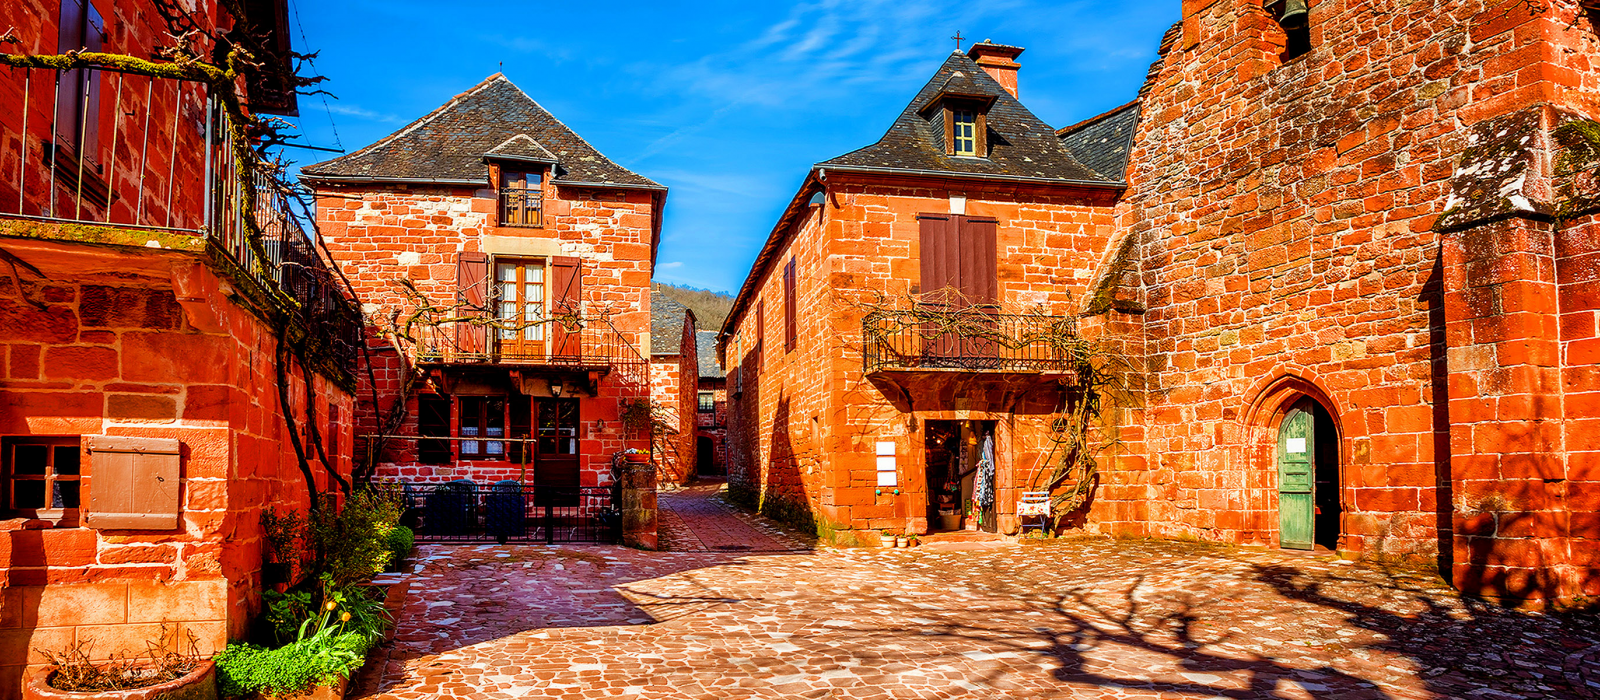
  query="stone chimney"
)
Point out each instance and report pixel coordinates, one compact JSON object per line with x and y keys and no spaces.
{"x":999,"y":61}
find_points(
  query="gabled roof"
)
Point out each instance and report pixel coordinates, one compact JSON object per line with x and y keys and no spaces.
{"x":706,"y":344}
{"x":449,"y":144}
{"x":1020,"y":145}
{"x":1103,"y":142}
{"x":666,"y":324}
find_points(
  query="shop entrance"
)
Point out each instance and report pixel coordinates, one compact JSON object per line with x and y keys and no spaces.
{"x":960,"y":471}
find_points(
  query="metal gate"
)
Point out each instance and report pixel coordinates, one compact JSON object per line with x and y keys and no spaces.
{"x":507,"y":511}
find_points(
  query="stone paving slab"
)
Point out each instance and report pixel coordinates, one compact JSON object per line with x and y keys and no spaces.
{"x":694,"y":518}
{"x":1069,"y":619}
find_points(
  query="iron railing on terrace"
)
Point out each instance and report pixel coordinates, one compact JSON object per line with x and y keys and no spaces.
{"x":127,"y":151}
{"x":586,"y":344}
{"x":508,"y":511}
{"x":968,"y":339}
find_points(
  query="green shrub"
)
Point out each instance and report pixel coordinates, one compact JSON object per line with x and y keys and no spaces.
{"x":287,"y":611}
{"x":401,"y":540}
{"x":296,"y":668}
{"x":352,"y":545}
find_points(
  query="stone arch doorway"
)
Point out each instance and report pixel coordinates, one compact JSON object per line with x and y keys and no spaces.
{"x":1307,"y":465}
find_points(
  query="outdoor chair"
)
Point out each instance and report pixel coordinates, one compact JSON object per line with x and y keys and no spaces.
{"x":449,"y":509}
{"x":1034,"y":505}
{"x":505,"y":510}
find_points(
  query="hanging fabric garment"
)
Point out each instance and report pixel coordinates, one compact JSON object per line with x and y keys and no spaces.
{"x":983,"y":491}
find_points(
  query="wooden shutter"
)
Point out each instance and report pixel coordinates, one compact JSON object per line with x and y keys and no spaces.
{"x":788,"y":306}
{"x":433,"y":420}
{"x":566,"y":297}
{"x":133,"y":483}
{"x":472,"y":290}
{"x":939,"y":258}
{"x":979,"y":273}
{"x":520,"y":426}
{"x":761,"y":330}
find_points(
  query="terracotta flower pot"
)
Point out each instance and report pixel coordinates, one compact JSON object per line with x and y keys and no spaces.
{"x":321,"y":692}
{"x":200,"y":684}
{"x":636,"y":458}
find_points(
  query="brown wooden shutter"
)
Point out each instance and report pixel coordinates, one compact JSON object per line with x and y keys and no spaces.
{"x":133,"y":483}
{"x":761,"y":330}
{"x":520,"y":425}
{"x":789,"y":306}
{"x":939,"y":258}
{"x":472,"y":290}
{"x":566,"y":297}
{"x":433,"y":420}
{"x":980,"y":282}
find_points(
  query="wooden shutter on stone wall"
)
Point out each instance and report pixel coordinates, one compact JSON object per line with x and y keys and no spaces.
{"x":566,"y":297}
{"x":520,"y":424}
{"x":789,"y":306}
{"x":133,"y":483}
{"x":472,"y":290}
{"x":939,"y":258}
{"x":979,"y":272}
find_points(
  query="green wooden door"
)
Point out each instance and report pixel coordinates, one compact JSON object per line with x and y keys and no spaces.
{"x":1297,"y":478}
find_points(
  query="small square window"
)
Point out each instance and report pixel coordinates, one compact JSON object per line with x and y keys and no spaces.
{"x":41,"y":476}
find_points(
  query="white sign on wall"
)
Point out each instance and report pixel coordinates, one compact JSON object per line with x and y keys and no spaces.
{"x":1297,"y":445}
{"x":887,"y":474}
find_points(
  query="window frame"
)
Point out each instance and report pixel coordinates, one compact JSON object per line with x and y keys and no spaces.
{"x":956,"y":126}
{"x":531,"y":206}
{"x":482,"y":424}
{"x":790,"y":331}
{"x":706,"y":401}
{"x":64,"y":514}
{"x":521,"y":345}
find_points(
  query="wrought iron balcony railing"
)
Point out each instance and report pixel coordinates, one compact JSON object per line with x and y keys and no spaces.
{"x":589,"y":344}
{"x":521,"y":207}
{"x":128,"y":151}
{"x":971,"y":339}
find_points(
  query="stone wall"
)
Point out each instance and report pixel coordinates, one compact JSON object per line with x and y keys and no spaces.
{"x":143,"y":342}
{"x":1287,"y":218}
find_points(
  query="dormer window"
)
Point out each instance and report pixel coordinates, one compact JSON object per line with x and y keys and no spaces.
{"x":522,"y":198}
{"x":963,"y":133}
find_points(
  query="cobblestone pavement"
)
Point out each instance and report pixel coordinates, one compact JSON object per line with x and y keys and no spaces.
{"x":1069,"y":619}
{"x":692,"y":519}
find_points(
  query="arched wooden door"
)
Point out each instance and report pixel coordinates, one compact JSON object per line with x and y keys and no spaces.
{"x":1297,"y":440}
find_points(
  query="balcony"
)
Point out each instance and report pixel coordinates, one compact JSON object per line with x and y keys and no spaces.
{"x":588,"y":345}
{"x":132,"y":159}
{"x":927,"y":339}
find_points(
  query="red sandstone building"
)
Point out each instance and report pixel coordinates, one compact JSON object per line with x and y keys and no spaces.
{"x":141,"y":430}
{"x":1351,"y":267}
{"x":968,"y":201}
{"x":674,"y":388}
{"x":524,"y":317}
{"x":711,"y":418}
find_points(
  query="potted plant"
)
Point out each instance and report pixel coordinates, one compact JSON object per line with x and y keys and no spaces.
{"x":163,"y":673}
{"x":634,"y":455}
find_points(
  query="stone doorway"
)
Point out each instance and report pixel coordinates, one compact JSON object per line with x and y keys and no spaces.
{"x":955,"y":474}
{"x":1309,"y":484}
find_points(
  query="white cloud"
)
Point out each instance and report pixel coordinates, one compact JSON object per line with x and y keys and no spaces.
{"x":669,"y":266}
{"x":361,"y":113}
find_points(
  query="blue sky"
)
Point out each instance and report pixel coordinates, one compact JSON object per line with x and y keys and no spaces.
{"x":726,"y":103}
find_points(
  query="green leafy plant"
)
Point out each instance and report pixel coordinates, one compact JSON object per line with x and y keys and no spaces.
{"x":352,"y":545}
{"x":287,"y":611}
{"x":329,"y":644}
{"x":400,"y":541}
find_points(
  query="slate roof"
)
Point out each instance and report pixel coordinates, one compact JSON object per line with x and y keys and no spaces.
{"x":1020,"y":145}
{"x":1103,"y":142}
{"x":449,"y":144}
{"x":706,"y":344}
{"x":666,"y":324}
